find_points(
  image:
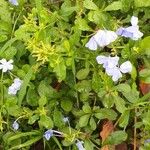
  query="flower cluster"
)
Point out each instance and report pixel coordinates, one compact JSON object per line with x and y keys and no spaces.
{"x":112,"y":67}
{"x":105,"y":37}
{"x":6,"y":65}
{"x":12,"y":90}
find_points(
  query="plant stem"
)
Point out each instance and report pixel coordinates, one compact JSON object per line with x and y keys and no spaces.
{"x":12,"y":33}
{"x":135,"y":120}
{"x":2,"y":92}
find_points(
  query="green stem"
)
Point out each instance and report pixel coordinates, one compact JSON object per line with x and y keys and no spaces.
{"x":12,"y":33}
{"x":145,"y":97}
{"x":38,"y":4}
{"x":2,"y":92}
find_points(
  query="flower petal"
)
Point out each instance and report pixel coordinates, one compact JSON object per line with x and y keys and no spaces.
{"x":114,"y":72}
{"x":92,"y":45}
{"x":134,"y":21}
{"x":15,"y":125}
{"x":101,"y":59}
{"x":126,"y":67}
{"x":48,"y":134}
{"x":14,"y":2}
{"x":105,"y":37}
{"x":79,"y":144}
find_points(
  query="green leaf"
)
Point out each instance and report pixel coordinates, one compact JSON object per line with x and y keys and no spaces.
{"x":32,"y":97}
{"x":145,"y":45}
{"x":83,"y":121}
{"x":89,"y":4}
{"x":86,"y":108}
{"x":26,"y":144}
{"x":108,"y":100}
{"x":124,"y":119}
{"x":144,"y":73}
{"x":106,"y":113}
{"x":60,"y":69}
{"x":120,"y":104}
{"x":114,"y":6}
{"x":84,"y":86}
{"x":24,"y":85}
{"x":3,"y":38}
{"x":96,"y":83}
{"x":67,"y":9}
{"x":124,"y":88}
{"x":58,"y":118}
{"x":82,"y":24}
{"x":12,"y":108}
{"x":66,"y":105}
{"x":92,"y":123}
{"x":33,"y":118}
{"x":9,"y":53}
{"x":115,"y":138}
{"x":46,"y":122}
{"x":146,"y":119}
{"x":142,"y":3}
{"x":84,"y":96}
{"x":82,"y":74}
{"x":44,"y":89}
{"x":42,"y":101}
{"x":22,"y":134}
{"x":126,"y":4}
{"x":133,"y":73}
{"x":131,"y":95}
{"x":7,"y":44}
{"x":146,"y":80}
{"x":88,"y":145}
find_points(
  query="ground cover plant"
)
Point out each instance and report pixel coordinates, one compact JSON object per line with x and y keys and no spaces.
{"x":75,"y":74}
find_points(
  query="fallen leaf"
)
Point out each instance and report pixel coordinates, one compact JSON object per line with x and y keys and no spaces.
{"x":144,"y":87}
{"x":107,"y":129}
{"x":122,"y":146}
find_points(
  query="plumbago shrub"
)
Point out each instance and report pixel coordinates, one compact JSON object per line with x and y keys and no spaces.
{"x":68,"y":66}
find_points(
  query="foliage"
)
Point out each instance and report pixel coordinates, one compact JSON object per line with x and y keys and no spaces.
{"x":61,"y":78}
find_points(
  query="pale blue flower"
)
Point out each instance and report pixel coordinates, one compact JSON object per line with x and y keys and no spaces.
{"x":108,"y":62}
{"x":131,"y":31}
{"x":15,"y":125}
{"x":6,"y":65}
{"x":126,"y":67}
{"x":48,"y":134}
{"x":13,"y":89}
{"x":101,"y":38}
{"x":79,"y":144}
{"x":134,"y":21}
{"x":147,"y":141}
{"x":114,"y":73}
{"x":66,"y":119}
{"x":92,"y":45}
{"x":112,"y":67}
{"x":14,"y":2}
